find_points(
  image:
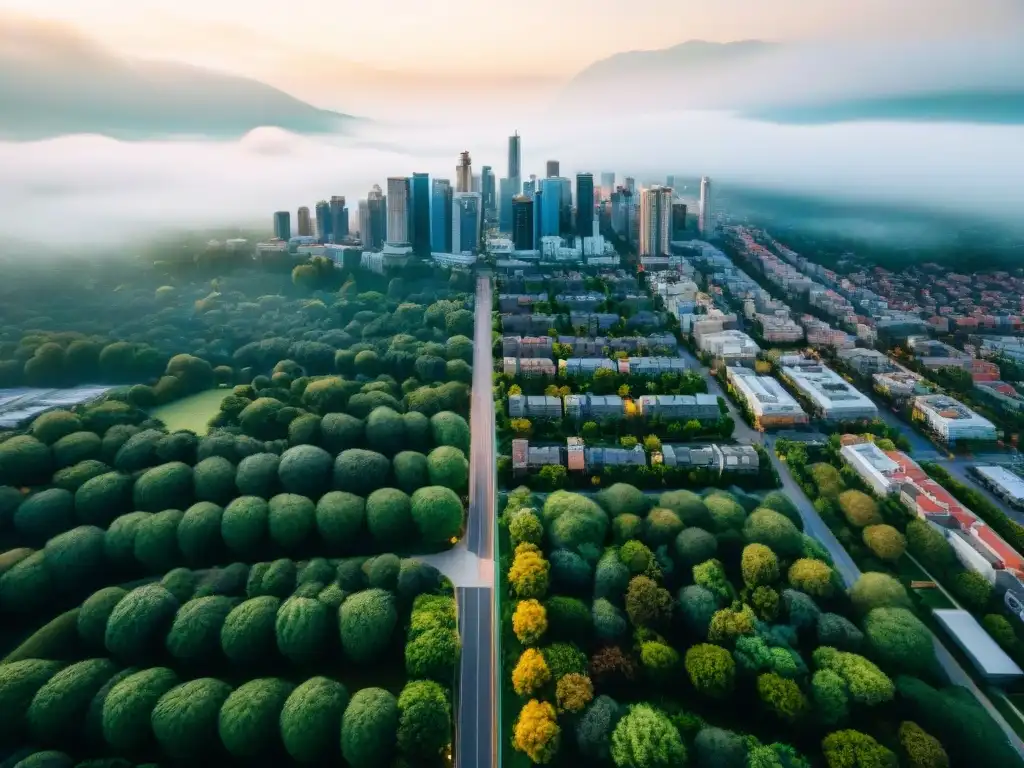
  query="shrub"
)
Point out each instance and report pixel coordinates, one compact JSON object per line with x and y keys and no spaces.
{"x":26,"y":586}
{"x":49,"y":758}
{"x":156,"y":541}
{"x":257,"y":475}
{"x":259,"y":419}
{"x":305,"y":430}
{"x":19,"y":683}
{"x":169,"y":485}
{"x":609,"y":623}
{"x":885,"y":542}
{"x":341,"y":431}
{"x":899,"y":639}
{"x":775,"y":531}
{"x":573,"y":692}
{"x":728,"y":624}
{"x":369,"y":728}
{"x":829,"y":693}
{"x":865,"y":683}
{"x":389,"y":517}
{"x":385,"y":430}
{"x":305,"y":470}
{"x":646,"y":738}
{"x":929,"y":546}
{"x":276,"y":580}
{"x":74,"y":477}
{"x":781,"y":696}
{"x":688,"y":506}
{"x":244,"y":526}
{"x":199,"y":534}
{"x":367,"y":621}
{"x":53,"y":425}
{"x":139,"y":622}
{"x":177,"y":446}
{"x":611,"y":577}
{"x":119,"y":541}
{"x":609,"y":666}
{"x":94,"y":613}
{"x":139,"y":451}
{"x":249,"y":718}
{"x":711,"y":669}
{"x":812,"y":576}
{"x":711,"y":576}
{"x":647,"y":604}
{"x":660,"y":660}
{"x":621,"y":499}
{"x":448,"y":428}
{"x":291,"y":519}
{"x":437,"y":513}
{"x":59,"y":706}
{"x":1001,"y":630}
{"x":45,"y":514}
{"x":529,"y":574}
{"x":531,"y":672}
{"x":594,"y":730}
{"x":248,"y":633}
{"x":76,"y":559}
{"x":838,"y":632}
{"x":410,"y":470}
{"x":302,"y":629}
{"x":424,"y":725}
{"x":128,"y":708}
{"x":563,"y":659}
{"x":184,"y":720}
{"x":447,"y":466}
{"x":536,"y":732}
{"x":310,"y":720}
{"x":662,"y":526}
{"x":570,"y":573}
{"x":759,"y":565}
{"x":725,"y":511}
{"x":101,"y":499}
{"x":972,"y":589}
{"x":859,"y":509}
{"x":878,"y":590}
{"x":360,"y":471}
{"x":803,"y":612}
{"x":697,"y":606}
{"x":25,"y":461}
{"x":568,"y":619}
{"x":718,"y":748}
{"x":526,"y":526}
{"x":180,"y":582}
{"x":853,"y":749}
{"x":76,"y":447}
{"x":195,"y":634}
{"x":627,"y":527}
{"x":339,"y":519}
{"x":529,"y":621}
{"x":922,"y":750}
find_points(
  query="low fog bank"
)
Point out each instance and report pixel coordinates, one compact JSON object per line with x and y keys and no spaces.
{"x":82,"y":190}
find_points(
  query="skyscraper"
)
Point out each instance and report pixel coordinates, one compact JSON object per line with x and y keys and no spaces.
{"x":505,"y":195}
{"x":466,"y":215}
{"x":551,"y":206}
{"x":529,"y":187}
{"x":584,"y":204}
{"x":655,"y":221}
{"x":631,"y":185}
{"x":678,"y":220}
{"x":552,"y":168}
{"x":323,"y":221}
{"x":441,"y":216}
{"x":305,"y":226}
{"x":670,"y":182}
{"x":705,"y":222}
{"x":365,"y":228}
{"x":607,"y":183}
{"x":421,"y":213}
{"x":565,"y":211}
{"x":538,"y":205}
{"x":522,"y":223}
{"x":623,"y":213}
{"x":488,"y":192}
{"x":339,"y":218}
{"x":398,"y":210}
{"x":515,"y":158}
{"x":377,"y":206}
{"x":283,"y":225}
{"x":464,"y":174}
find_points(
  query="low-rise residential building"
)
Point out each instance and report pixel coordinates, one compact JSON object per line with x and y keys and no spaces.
{"x":519,"y":303}
{"x":690,"y":456}
{"x":612,"y":457}
{"x":779,"y":329}
{"x":883,"y":474}
{"x":528,"y":366}
{"x":595,"y":407}
{"x":769,"y":402}
{"x":866,"y":362}
{"x":952,"y":421}
{"x":734,"y":347}
{"x":679,"y":407}
{"x":530,"y":323}
{"x":586,"y":366}
{"x":935,"y":354}
{"x":575,"y":455}
{"x":534,"y":407}
{"x":526,"y":346}
{"x":654,"y":366}
{"x":591,"y":322}
{"x":832,"y":398}
{"x":644,"y":320}
{"x":1002,"y":482}
{"x":1000,"y":393}
{"x":583,"y":302}
{"x":737,"y":458}
{"x":899,"y":384}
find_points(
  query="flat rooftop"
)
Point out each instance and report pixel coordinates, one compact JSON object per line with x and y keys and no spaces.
{"x":1012,"y":484}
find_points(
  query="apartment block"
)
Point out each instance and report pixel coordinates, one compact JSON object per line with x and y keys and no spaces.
{"x":779,"y":329}
{"x":530,"y":324}
{"x":734,"y":347}
{"x":899,"y":384}
{"x":526,"y":346}
{"x":679,"y":407}
{"x":586,"y":366}
{"x":951,"y":420}
{"x":654,"y":366}
{"x":866,"y":362}
{"x":831,"y":396}
{"x":528,"y":366}
{"x":519,"y":303}
{"x":769,"y":402}
{"x":595,"y":407}
{"x":592,"y":322}
{"x":534,"y":407}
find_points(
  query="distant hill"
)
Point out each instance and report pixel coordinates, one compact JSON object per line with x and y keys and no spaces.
{"x":54,"y":82}
{"x":1000,"y":107}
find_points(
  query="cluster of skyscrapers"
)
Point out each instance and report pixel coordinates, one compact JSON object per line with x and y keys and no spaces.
{"x":427,"y":215}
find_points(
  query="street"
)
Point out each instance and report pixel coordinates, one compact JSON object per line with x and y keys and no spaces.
{"x":476,"y":722}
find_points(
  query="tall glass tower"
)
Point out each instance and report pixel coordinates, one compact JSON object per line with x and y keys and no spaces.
{"x":323,"y":221}
{"x":441,"y":216}
{"x":421,"y":213}
{"x":466,"y":216}
{"x":584,"y":204}
{"x":551,"y":206}
{"x":283,"y":225}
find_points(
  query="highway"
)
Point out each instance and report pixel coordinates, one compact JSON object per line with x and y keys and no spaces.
{"x":815,"y":526}
{"x":476,"y":744}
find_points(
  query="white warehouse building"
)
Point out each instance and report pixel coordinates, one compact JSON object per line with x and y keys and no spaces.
{"x":951,"y":420}
{"x":832,"y":397}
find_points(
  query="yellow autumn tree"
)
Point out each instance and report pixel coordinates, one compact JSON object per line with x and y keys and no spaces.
{"x":573,"y":692}
{"x":536,"y":732}
{"x":528,"y":575}
{"x":730,"y":623}
{"x":529,"y":621}
{"x":885,"y":542}
{"x":531,"y":672}
{"x":811,"y":576}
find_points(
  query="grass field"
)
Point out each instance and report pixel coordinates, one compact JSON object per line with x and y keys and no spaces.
{"x":192,"y":412}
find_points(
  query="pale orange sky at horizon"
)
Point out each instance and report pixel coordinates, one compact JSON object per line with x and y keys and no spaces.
{"x":550,"y":39}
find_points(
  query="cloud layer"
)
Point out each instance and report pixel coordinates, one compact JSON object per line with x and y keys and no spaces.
{"x":88,"y":189}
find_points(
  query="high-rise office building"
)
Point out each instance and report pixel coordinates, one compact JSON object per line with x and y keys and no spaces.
{"x":631,"y":185}
{"x":441,"y":216}
{"x":623,"y":213}
{"x":339,"y":218}
{"x":489,"y":193}
{"x":584,"y":204}
{"x":538,"y":204}
{"x":551,"y":206}
{"x":363,"y":214}
{"x":607,"y":183}
{"x":515,"y":158}
{"x":323,"y":221}
{"x":476,"y":186}
{"x":670,"y":182}
{"x":377,"y":229}
{"x":565,"y":216}
{"x":529,"y":187}
{"x":705,"y":222}
{"x":464,"y":174}
{"x":522,"y":223}
{"x":466,"y":216}
{"x":398,"y":210}
{"x":305,"y":225}
{"x":552,"y":169}
{"x":420,"y":234}
{"x":655,"y":221}
{"x":505,"y":196}
{"x":283,"y":225}
{"x":678,"y":220}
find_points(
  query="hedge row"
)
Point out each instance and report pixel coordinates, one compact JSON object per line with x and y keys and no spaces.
{"x":153,"y":712}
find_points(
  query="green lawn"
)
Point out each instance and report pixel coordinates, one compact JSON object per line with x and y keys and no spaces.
{"x":192,"y":412}
{"x":932,"y":599}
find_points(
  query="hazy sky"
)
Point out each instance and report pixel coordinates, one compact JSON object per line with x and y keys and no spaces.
{"x":551,"y":38}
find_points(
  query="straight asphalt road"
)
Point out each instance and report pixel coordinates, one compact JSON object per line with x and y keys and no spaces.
{"x":476,"y":723}
{"x":815,"y":526}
